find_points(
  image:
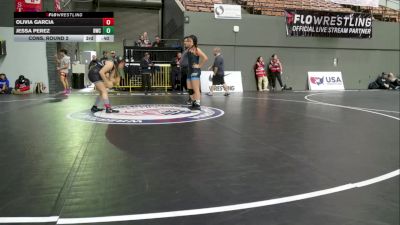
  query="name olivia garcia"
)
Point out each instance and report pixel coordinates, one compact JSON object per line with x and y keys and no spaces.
{"x":34,"y":22}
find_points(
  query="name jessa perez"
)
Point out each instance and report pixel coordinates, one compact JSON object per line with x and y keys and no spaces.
{"x":32,"y":30}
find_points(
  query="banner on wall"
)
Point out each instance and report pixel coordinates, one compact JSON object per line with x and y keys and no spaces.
{"x":233,"y":80}
{"x":371,"y":3}
{"x":308,"y":23}
{"x":28,"y":5}
{"x":325,"y":81}
{"x":224,"y":11}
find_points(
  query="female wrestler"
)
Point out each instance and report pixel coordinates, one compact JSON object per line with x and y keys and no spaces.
{"x":196,"y":59}
{"x":105,"y":74}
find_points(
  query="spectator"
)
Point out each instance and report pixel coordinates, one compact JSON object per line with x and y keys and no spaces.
{"x":276,"y":69}
{"x":93,"y":62}
{"x":140,"y":41}
{"x":184,"y":64}
{"x":112,"y":53}
{"x":394,"y":82}
{"x":262,"y":81}
{"x":176,"y":71}
{"x":4,"y":84}
{"x":121,"y":71}
{"x":146,"y":40}
{"x":146,"y":66}
{"x":158,"y":43}
{"x":381,"y":82}
{"x":106,"y":55}
{"x":22,"y":85}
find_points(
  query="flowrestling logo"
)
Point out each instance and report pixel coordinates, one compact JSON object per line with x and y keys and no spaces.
{"x":148,"y":114}
{"x":310,"y":23}
{"x":289,"y":18}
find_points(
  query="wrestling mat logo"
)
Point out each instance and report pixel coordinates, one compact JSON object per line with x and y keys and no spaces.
{"x":148,"y":114}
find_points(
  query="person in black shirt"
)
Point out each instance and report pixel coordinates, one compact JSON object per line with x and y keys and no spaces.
{"x":113,"y":55}
{"x":176,"y":71}
{"x":158,"y":43}
{"x":22,"y":85}
{"x":106,"y":55}
{"x":146,"y":66}
{"x":183,"y":62}
{"x":105,"y":74}
{"x":140,"y":41}
{"x":218,"y":72}
{"x":93,"y":62}
{"x":381,"y":82}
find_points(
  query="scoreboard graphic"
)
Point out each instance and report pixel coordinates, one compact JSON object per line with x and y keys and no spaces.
{"x":64,"y":26}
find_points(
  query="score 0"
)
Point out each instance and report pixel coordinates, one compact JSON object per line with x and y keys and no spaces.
{"x":108,"y":21}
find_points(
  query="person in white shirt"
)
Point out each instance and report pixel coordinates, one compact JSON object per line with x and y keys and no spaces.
{"x":63,"y":70}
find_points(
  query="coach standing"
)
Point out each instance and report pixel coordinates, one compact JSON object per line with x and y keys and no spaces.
{"x":218,"y":72}
{"x":146,"y":66}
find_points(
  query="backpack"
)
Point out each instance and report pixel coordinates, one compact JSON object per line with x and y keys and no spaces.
{"x":40,"y":88}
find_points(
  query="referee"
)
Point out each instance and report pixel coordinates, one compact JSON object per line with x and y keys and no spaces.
{"x":218,"y":72}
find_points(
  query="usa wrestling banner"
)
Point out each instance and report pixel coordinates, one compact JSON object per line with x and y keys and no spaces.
{"x":328,"y":24}
{"x":325,"y":81}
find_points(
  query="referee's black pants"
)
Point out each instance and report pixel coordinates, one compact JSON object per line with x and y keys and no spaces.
{"x":146,"y":82}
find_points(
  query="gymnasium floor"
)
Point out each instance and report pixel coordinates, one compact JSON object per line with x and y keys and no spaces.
{"x":283,"y":158}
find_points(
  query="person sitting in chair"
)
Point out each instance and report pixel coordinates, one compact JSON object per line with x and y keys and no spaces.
{"x":158,"y":43}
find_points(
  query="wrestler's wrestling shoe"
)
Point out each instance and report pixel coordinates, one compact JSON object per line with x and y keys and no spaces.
{"x":195,"y":106}
{"x":95,"y":109}
{"x":110,"y":110}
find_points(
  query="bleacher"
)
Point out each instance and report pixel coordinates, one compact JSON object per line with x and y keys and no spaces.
{"x":200,"y":5}
{"x":277,"y":7}
{"x":381,"y":13}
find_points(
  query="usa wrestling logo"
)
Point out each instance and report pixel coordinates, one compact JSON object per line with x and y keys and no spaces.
{"x":148,"y":114}
{"x":317,"y":80}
